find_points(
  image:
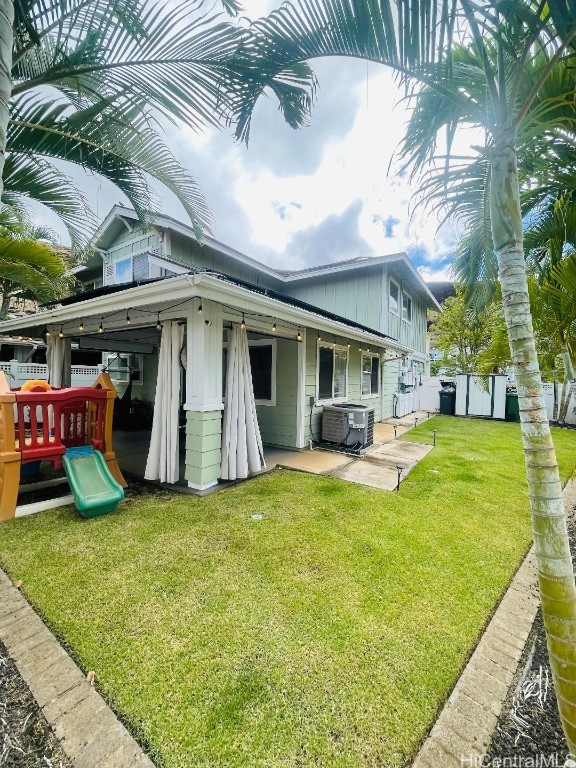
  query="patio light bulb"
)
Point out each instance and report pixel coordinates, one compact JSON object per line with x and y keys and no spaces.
{"x":243,"y":323}
{"x":333,"y":345}
{"x":20,"y":338}
{"x":299,"y":337}
{"x":47,"y":334}
{"x":274,"y":327}
{"x":60,"y":335}
{"x":128,"y":321}
{"x":101,"y":326}
{"x":158,"y":324}
{"x":199,"y":310}
{"x":81,"y":326}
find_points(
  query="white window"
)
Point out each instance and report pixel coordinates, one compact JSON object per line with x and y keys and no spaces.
{"x":119,"y":366}
{"x":394,"y":298}
{"x":332,"y":378}
{"x":406,"y":307}
{"x":123,"y":270}
{"x":370,"y":375}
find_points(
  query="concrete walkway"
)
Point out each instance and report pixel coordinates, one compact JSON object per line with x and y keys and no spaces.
{"x":463,"y":730}
{"x":378,"y":468}
{"x":90,"y":733}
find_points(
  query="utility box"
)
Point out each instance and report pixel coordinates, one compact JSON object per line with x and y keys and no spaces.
{"x":348,"y":424}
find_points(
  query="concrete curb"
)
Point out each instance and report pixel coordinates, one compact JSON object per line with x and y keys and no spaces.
{"x":90,"y":733}
{"x":463,"y":730}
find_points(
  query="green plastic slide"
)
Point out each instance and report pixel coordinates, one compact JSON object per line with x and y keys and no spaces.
{"x":94,"y":489}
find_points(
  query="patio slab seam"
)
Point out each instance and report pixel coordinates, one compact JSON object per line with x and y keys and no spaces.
{"x":463,"y":729}
{"x":90,"y":733}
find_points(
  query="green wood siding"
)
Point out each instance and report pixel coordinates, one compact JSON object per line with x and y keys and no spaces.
{"x":355,"y":295}
{"x":203,"y":440}
{"x":278,"y":423}
{"x":412,"y":334}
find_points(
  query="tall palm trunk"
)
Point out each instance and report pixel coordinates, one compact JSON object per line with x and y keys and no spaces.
{"x":555,"y":574}
{"x":6,"y":42}
{"x":567,"y":385}
{"x":555,"y":390}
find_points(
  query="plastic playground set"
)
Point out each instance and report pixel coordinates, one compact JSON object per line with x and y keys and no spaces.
{"x":69,"y":427}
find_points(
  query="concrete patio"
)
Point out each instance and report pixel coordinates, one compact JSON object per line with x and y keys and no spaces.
{"x":378,"y":468}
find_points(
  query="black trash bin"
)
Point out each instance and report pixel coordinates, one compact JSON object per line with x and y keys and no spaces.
{"x":448,"y":402}
{"x":512,"y":407}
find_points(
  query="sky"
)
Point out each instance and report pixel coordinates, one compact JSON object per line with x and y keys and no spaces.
{"x":327,"y":192}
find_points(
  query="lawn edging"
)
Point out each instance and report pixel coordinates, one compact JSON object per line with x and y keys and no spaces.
{"x":88,"y":730}
{"x":463,"y":730}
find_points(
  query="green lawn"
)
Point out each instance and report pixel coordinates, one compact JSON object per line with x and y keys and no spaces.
{"x":325,"y":634}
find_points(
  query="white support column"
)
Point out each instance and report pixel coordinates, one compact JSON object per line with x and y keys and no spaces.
{"x":301,"y":394}
{"x":203,"y":394}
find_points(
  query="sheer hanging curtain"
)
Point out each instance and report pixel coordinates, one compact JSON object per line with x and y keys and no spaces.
{"x":163,"y":455}
{"x":55,"y":354}
{"x":242,"y":452}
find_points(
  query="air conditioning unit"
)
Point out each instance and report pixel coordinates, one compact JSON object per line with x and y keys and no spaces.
{"x":348,"y":424}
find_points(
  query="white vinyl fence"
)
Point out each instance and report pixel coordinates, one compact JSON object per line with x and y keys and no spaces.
{"x":18,"y":373}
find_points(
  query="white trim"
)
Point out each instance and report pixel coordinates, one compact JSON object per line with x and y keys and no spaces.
{"x":328,"y":345}
{"x":399,"y":301}
{"x":301,"y":393}
{"x":202,"y":486}
{"x":409,"y":296}
{"x":188,"y":286}
{"x":164,"y":264}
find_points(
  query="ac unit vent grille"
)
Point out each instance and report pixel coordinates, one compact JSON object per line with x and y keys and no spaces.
{"x":334,"y":426}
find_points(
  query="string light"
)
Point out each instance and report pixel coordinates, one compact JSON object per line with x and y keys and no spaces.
{"x":128,"y":321}
{"x":158,"y":323}
{"x":47,"y":334}
{"x":81,"y":326}
{"x":274,"y":327}
{"x":101,"y":326}
{"x":199,"y":310}
{"x":61,"y":333}
{"x":299,"y":337}
{"x":243,"y":323}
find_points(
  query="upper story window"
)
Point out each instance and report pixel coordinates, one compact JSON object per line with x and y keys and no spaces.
{"x":332,"y":383}
{"x":406,"y":307}
{"x":370,"y":375}
{"x":123,"y":270}
{"x":394,"y":299}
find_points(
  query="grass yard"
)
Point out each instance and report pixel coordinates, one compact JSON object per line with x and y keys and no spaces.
{"x":327,"y":633}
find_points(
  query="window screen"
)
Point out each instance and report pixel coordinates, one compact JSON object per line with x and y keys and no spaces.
{"x":261,"y":365}
{"x":325,"y":372}
{"x":394,"y":298}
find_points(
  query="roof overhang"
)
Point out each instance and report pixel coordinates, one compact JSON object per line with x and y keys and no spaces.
{"x":172,"y":290}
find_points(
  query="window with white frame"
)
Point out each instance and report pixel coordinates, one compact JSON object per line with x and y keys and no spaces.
{"x":120,"y":365}
{"x":394,"y":297}
{"x":406,"y":307}
{"x":263,"y":366}
{"x":370,"y":375}
{"x":332,"y":372}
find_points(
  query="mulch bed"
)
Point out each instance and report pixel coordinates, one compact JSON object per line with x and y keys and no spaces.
{"x":26,"y":739}
{"x":529,"y":730}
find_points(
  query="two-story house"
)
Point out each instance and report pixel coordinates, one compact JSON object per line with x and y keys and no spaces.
{"x":352,"y":331}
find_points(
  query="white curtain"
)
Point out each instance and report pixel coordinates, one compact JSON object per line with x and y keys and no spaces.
{"x":55,"y":355}
{"x":242,"y":453}
{"x":163,"y":455}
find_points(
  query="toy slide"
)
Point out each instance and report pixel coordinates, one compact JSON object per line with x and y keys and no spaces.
{"x":94,"y":489}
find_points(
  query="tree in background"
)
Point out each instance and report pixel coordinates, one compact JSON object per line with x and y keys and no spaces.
{"x":30,"y":265}
{"x":471,"y":342}
{"x":89,"y":82}
{"x":445,"y":53}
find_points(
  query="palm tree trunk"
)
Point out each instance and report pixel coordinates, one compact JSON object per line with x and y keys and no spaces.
{"x":566,"y":386}
{"x":4,"y":305}
{"x":6,"y":42}
{"x":555,"y":390}
{"x":551,"y":545}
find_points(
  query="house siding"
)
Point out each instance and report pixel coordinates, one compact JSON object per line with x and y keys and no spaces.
{"x":278,"y":423}
{"x":356,"y":296}
{"x":411,"y":334}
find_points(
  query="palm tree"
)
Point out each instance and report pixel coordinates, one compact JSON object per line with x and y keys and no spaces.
{"x":498,"y":44}
{"x":91,"y":81}
{"x":30,"y":265}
